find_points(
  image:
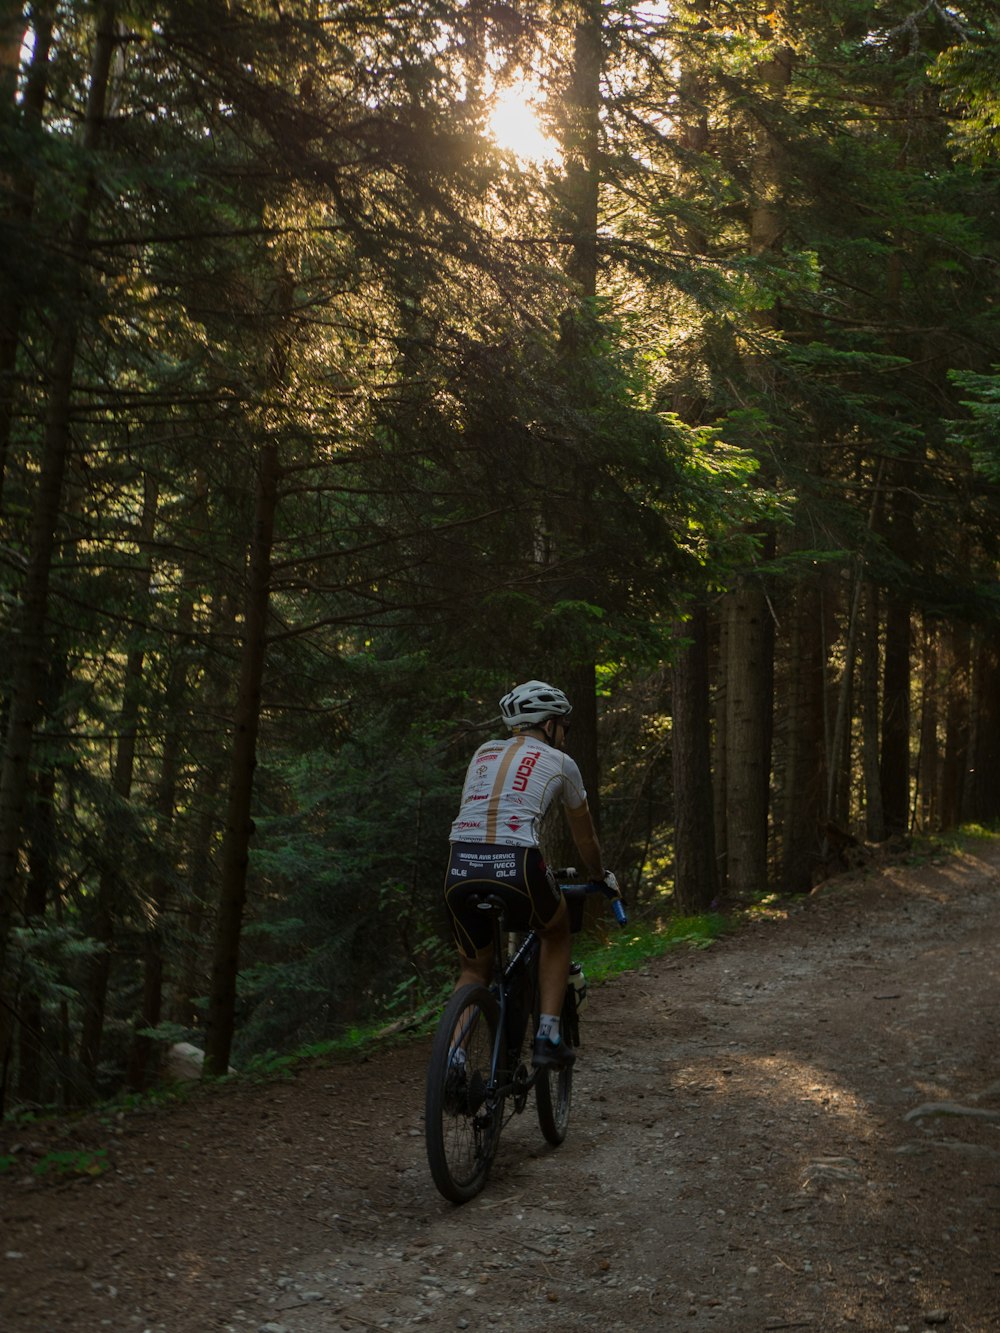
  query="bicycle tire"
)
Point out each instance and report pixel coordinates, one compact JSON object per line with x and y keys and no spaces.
{"x":461,"y":1131}
{"x":554,"y":1088}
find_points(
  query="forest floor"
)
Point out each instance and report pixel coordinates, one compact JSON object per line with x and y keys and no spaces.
{"x":798,"y":1128}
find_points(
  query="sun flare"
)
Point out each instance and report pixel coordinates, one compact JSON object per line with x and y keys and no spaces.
{"x":514,"y":125}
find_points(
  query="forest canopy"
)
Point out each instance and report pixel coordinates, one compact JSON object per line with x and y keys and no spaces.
{"x":358,"y":360}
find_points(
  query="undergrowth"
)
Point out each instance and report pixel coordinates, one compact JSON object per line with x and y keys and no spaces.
{"x":623,"y":950}
{"x":62,"y":1164}
{"x":603,"y":956}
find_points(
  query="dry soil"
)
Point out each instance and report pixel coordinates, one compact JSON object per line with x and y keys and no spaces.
{"x":798,"y":1128}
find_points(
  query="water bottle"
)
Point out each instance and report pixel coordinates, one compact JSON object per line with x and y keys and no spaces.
{"x":578,"y":985}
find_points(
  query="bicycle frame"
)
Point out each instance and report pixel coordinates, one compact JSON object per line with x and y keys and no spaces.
{"x":504,"y":1064}
{"x":505,"y":973}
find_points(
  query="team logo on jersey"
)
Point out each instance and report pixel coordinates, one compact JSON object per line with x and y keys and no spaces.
{"x":524,"y":770}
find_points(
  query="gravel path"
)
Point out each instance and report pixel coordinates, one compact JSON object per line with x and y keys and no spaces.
{"x":798,"y":1128}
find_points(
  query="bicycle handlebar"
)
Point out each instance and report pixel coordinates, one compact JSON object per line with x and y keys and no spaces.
{"x":577,"y":890}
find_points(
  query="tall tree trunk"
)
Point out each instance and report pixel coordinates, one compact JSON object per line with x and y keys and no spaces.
{"x":955,"y":764}
{"x":143,"y":1046}
{"x":191,"y":978}
{"x":103,"y":924}
{"x":40,"y":890}
{"x":696,"y":879}
{"x":870,"y":658}
{"x":720,"y":766}
{"x":749,"y":640}
{"x":221,"y":1016}
{"x":12,"y":33}
{"x":986,"y":756}
{"x":196,"y":857}
{"x":696,"y":810}
{"x":928,"y":766}
{"x":894,"y":765}
{"x":805,"y":748}
{"x":581,"y":145}
{"x":580,"y":142}
{"x":838,"y":798}
{"x":23,"y":189}
{"x":29,"y":650}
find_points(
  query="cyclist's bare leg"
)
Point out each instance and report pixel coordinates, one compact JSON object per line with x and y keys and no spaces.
{"x":476,"y":971}
{"x":554,"y":961}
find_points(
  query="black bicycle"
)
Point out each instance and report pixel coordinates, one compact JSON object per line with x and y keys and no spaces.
{"x":478,"y":1078}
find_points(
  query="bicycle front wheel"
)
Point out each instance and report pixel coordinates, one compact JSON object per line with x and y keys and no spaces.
{"x":461,"y":1126}
{"x":554,"y":1087}
{"x":553,"y":1095}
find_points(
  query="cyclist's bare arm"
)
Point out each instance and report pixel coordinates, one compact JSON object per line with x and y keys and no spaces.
{"x":581,"y":826}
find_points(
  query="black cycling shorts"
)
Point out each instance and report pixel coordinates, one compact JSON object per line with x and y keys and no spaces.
{"x":518,"y":875}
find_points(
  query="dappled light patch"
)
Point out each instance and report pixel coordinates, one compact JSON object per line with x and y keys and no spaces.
{"x":783,"y":1081}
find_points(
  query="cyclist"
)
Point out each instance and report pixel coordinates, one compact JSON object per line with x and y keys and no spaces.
{"x":494,"y":844}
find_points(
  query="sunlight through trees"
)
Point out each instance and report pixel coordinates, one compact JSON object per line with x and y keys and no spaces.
{"x":358,"y":360}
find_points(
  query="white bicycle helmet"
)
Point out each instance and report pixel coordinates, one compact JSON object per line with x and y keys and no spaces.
{"x":531,"y":704}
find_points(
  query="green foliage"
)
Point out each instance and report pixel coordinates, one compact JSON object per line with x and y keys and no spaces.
{"x":348,"y":864}
{"x":732,"y":501}
{"x":165,"y":1032}
{"x":980,"y":434}
{"x":65,"y":1163}
{"x":623,"y":950}
{"x":969,"y":74}
{"x":978,"y":831}
{"x":153,"y":1099}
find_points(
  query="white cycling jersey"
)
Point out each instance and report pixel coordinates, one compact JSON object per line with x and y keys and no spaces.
{"x":509,"y":786}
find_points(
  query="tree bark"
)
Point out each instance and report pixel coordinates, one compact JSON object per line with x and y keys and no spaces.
{"x":986,"y":755}
{"x":720,"y":752}
{"x":696,"y":808}
{"x":956,"y":761}
{"x":874,"y":814}
{"x":40,"y":890}
{"x":696,"y":880}
{"x":12,"y":33}
{"x":750,"y":638}
{"x":748,"y":736}
{"x":581,"y":145}
{"x":221,"y":1016}
{"x":109,"y":888}
{"x":151,"y":1009}
{"x":580,"y":141}
{"x":805,"y":769}
{"x":928,"y":764}
{"x":23,"y":191}
{"x":894,"y":764}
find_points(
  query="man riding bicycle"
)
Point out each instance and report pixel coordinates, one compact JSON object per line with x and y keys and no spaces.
{"x":494,"y":847}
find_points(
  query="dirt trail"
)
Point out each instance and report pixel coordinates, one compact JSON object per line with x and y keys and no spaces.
{"x":796,"y":1129}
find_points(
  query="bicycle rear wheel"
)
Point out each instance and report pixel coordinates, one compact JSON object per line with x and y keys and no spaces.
{"x":554,"y":1087}
{"x":461,"y":1127}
